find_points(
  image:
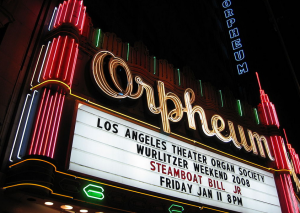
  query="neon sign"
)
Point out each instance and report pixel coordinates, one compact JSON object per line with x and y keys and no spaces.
{"x":94,"y":191}
{"x":176,"y":114}
{"x":125,"y":152}
{"x":236,"y":44}
{"x":175,"y":208}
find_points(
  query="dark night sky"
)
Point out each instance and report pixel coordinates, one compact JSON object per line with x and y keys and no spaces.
{"x":161,"y":26}
{"x":268,"y":56}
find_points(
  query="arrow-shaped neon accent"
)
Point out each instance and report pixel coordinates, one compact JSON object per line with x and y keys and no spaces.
{"x":175,"y":210}
{"x":94,"y":194}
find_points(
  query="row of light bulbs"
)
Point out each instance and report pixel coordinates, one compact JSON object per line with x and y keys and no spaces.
{"x":66,"y":207}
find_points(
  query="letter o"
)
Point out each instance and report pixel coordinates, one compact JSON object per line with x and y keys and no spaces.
{"x":226,"y":3}
{"x":107,"y":125}
{"x":213,"y":162}
{"x":113,"y":64}
{"x":189,"y":176}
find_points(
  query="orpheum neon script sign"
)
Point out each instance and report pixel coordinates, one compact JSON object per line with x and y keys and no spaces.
{"x":176,"y":114}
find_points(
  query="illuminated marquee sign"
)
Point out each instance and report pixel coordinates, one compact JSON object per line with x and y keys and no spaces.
{"x":176,"y":114}
{"x":234,"y":34}
{"x":111,"y":148}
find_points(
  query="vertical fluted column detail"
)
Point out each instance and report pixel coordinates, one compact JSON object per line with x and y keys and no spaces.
{"x":268,"y":116}
{"x":61,"y":60}
{"x":71,"y":12}
{"x":57,"y":72}
{"x":45,"y":130}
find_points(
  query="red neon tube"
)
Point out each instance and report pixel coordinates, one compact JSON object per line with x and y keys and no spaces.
{"x":286,"y":193}
{"x":48,"y":58}
{"x":72,"y":11}
{"x":50,"y":126}
{"x":281,"y":194}
{"x":41,"y":123}
{"x":270,"y":114}
{"x":61,"y":56}
{"x":82,"y":21}
{"x":63,"y":13}
{"x":290,"y":199}
{"x":56,"y":130}
{"x":45,"y":123}
{"x":57,"y":18}
{"x":67,"y":68}
{"x":54,"y":56}
{"x":278,"y":152}
{"x":79,"y":12}
{"x":283,"y":186}
{"x":295,"y":205}
{"x":280,"y":149}
{"x":275,"y":115}
{"x":54,"y":125}
{"x":275,"y":153}
{"x":66,"y":11}
{"x":37,"y":122}
{"x":287,"y":161}
{"x":74,"y":64}
{"x":80,"y":17}
{"x":266,"y":119}
{"x":285,"y":135}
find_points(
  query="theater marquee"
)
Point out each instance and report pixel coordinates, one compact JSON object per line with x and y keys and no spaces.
{"x":111,"y":148}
